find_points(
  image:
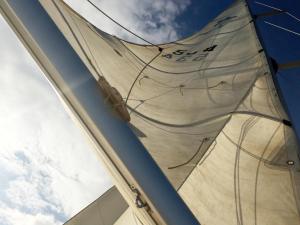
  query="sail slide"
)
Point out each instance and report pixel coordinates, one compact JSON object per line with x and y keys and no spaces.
{"x":207,"y":111}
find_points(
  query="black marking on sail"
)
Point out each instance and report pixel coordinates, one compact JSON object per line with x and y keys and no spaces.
{"x":210,"y":49}
{"x":118,"y":52}
{"x":274,"y":64}
{"x":287,"y":123}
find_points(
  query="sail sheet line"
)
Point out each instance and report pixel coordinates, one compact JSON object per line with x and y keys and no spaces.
{"x":207,"y":120}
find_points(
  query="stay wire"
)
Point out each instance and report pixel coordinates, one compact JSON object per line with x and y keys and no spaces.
{"x":278,"y":9}
{"x":282,"y":28}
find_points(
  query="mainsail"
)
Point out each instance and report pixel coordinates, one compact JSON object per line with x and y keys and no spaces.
{"x":207,"y":111}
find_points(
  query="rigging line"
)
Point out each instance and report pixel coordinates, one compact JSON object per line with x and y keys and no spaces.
{"x":139,"y":74}
{"x":257,"y":172}
{"x":203,"y":121}
{"x":120,"y":25}
{"x":135,"y":108}
{"x":291,"y":15}
{"x":193,"y":156}
{"x":148,"y":99}
{"x":177,"y":133}
{"x":272,"y":7}
{"x":282,"y":28}
{"x":182,"y":86}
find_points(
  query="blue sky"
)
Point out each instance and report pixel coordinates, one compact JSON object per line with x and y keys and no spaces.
{"x":43,"y":180}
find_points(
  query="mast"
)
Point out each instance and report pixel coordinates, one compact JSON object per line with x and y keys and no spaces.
{"x":80,"y":92}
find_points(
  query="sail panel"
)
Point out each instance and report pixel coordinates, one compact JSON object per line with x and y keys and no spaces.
{"x":190,"y":83}
{"x":244,"y":177}
{"x":106,"y":210}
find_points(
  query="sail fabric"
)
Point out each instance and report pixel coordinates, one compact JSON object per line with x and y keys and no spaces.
{"x":206,"y":109}
{"x":106,"y":210}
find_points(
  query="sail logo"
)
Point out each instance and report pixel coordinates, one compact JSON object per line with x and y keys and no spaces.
{"x":183,"y":55}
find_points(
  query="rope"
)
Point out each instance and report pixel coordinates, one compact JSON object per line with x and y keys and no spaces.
{"x":140,"y":73}
{"x":120,"y":25}
{"x":193,"y":156}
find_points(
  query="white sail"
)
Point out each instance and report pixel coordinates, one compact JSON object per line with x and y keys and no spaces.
{"x":207,"y":111}
{"x":106,"y":210}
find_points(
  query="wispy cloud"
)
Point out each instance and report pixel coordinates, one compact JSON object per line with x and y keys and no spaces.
{"x":48,"y":170}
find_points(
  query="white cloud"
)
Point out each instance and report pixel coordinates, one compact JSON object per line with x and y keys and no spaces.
{"x":43,"y":179}
{"x":154,"y":20}
{"x":10,"y":216}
